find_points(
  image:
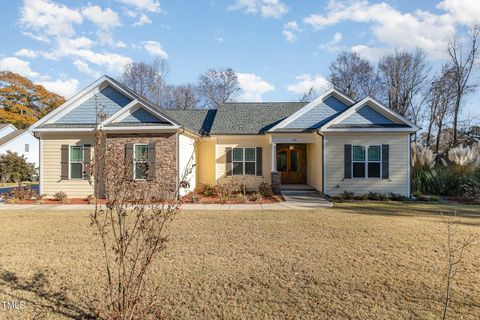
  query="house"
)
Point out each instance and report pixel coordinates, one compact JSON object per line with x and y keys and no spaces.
{"x":20,"y":141}
{"x":333,"y":144}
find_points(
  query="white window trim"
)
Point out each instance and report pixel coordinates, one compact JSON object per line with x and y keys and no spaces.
{"x":366,"y":161}
{"x":136,"y":161}
{"x":70,"y":162}
{"x":245,"y":161}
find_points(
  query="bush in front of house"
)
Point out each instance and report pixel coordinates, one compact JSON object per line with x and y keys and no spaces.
{"x":15,"y":168}
{"x":60,"y":196}
{"x":265,"y":190}
{"x":445,"y":176}
{"x":21,"y":193}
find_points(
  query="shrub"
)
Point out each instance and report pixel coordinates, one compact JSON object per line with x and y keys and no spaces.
{"x":347,"y":195}
{"x":91,"y":199}
{"x":422,"y":157}
{"x":255,"y":196}
{"x":209,"y":191}
{"x":265,"y":189}
{"x":417,"y":194}
{"x":60,"y":196}
{"x":201,"y":187}
{"x":15,"y":168}
{"x":471,"y":189}
{"x":21,"y":193}
{"x":395,"y":197}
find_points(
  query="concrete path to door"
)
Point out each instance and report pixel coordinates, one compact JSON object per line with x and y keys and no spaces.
{"x":301,"y":196}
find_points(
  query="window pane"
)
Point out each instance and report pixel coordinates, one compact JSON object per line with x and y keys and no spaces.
{"x":374,"y":170}
{"x":358,"y":153}
{"x":250,"y":154}
{"x":76,"y":153}
{"x":76,"y":171}
{"x":358,"y":170}
{"x":282,"y":161}
{"x":374,"y":153}
{"x":140,"y":170}
{"x":294,"y":161}
{"x":141,"y":152}
{"x":237,"y":168}
{"x":237,"y":154}
{"x":250,"y":168}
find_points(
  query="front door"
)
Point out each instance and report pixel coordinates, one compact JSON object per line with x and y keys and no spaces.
{"x":290,"y":163}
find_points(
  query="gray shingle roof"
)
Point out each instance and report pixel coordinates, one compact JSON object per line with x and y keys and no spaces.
{"x":196,"y":120}
{"x":11,"y":136}
{"x":252,"y":118}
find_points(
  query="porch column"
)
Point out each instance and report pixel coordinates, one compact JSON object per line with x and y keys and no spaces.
{"x":274,"y":156}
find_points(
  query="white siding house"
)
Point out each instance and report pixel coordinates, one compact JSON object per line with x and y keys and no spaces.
{"x":20,"y":141}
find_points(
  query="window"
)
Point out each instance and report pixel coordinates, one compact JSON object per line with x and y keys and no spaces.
{"x":27,"y":147}
{"x":244,"y":161}
{"x":76,"y":162}
{"x":374,"y":161}
{"x":140,"y":161}
{"x":358,"y":163}
{"x":367,"y":161}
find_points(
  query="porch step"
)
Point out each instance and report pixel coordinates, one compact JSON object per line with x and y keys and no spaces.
{"x":306,"y":193}
{"x":296,"y":187}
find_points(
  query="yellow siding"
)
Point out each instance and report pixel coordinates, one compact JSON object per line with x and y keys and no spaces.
{"x":314,"y":163}
{"x":206,"y":161}
{"x":399,"y":163}
{"x":263,"y":141}
{"x":50,"y":166}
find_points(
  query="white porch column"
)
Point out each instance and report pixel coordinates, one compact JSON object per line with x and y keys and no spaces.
{"x":274,"y":156}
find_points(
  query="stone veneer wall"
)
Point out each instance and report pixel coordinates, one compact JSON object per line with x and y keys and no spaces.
{"x":165,"y":158}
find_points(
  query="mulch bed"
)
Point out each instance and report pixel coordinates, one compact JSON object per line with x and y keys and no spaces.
{"x":214,"y":199}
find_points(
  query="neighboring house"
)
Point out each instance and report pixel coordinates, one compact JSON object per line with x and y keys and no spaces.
{"x":20,"y":141}
{"x":332,"y":144}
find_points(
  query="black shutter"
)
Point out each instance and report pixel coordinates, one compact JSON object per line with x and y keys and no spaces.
{"x":129,"y":160}
{"x":385,"y":161}
{"x":228,"y":164}
{"x":87,"y":153}
{"x":259,"y":161}
{"x":64,"y":162}
{"x":348,"y":162}
{"x":151,"y":162}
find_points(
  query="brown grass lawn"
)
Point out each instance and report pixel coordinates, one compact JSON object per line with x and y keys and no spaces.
{"x":355,"y":261}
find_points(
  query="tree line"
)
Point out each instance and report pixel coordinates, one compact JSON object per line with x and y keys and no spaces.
{"x":404,"y":81}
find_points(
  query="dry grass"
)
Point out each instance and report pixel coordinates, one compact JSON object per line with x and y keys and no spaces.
{"x":356,"y":261}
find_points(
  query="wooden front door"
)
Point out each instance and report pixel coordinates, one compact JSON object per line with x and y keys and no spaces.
{"x":290,"y":162}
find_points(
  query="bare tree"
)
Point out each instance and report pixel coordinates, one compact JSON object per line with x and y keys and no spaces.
{"x":355,"y":76}
{"x":455,"y":250}
{"x":309,"y":95}
{"x":217,"y":86}
{"x":181,"y":97}
{"x":146,"y":79}
{"x":439,"y":100}
{"x":463,"y":57}
{"x":404,"y":75}
{"x":133,"y":230}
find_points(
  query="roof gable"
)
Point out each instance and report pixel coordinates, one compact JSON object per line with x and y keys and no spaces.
{"x":314,"y":114}
{"x":365,"y":116}
{"x":142,"y":116}
{"x":107,"y":101}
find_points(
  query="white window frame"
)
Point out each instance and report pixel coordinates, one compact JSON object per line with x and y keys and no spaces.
{"x":137,"y":161}
{"x":70,"y":161}
{"x":366,"y":161}
{"x":244,"y":160}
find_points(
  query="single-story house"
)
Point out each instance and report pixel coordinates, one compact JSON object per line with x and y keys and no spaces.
{"x":333,"y":144}
{"x":19,"y":141}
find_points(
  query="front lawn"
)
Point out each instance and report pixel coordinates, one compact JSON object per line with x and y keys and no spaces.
{"x":355,"y":261}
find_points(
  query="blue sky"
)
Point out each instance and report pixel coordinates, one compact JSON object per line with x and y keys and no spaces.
{"x":279,"y":48}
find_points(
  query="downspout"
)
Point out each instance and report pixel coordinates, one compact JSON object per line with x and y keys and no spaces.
{"x":323,"y":161}
{"x":177,"y":142}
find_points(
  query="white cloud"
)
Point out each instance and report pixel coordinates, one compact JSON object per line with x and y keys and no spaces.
{"x":307,"y":81}
{"x":253,"y":87}
{"x":19,"y":66}
{"x":27,"y":53}
{"x":143,"y":5}
{"x":332,"y":45}
{"x":267,"y":8}
{"x":64,"y":87}
{"x":155,"y":49}
{"x":47,"y":18}
{"x":83,"y":67}
{"x":390,"y":26}
{"x":104,"y":19}
{"x":465,"y":11}
{"x":290,"y":29}
{"x":144,"y":19}
{"x":371,"y":53}
{"x":113,"y":62}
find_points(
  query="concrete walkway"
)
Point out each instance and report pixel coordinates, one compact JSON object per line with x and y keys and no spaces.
{"x":291,"y":203}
